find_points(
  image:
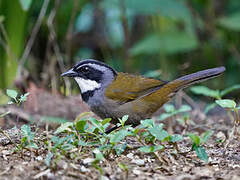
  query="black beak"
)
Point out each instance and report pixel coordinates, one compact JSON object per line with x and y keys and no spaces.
{"x":70,"y":73}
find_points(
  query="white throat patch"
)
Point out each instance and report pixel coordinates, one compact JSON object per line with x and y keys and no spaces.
{"x":87,"y":85}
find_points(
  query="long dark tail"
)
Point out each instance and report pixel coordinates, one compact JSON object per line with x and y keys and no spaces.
{"x":200,"y":76}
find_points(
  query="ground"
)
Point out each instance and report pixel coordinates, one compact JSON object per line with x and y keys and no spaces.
{"x":224,"y":163}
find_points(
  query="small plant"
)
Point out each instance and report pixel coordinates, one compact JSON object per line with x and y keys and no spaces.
{"x":27,"y":140}
{"x":156,"y":133}
{"x":88,"y":133}
{"x":231,"y":105}
{"x":171,"y":111}
{"x":217,"y":94}
{"x":15,"y":97}
{"x":198,"y":142}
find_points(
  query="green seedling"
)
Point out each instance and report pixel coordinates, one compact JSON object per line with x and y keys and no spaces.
{"x":156,"y":133}
{"x":98,"y":158}
{"x":15,"y":97}
{"x":231,"y":105}
{"x":171,"y":111}
{"x":198,"y":142}
{"x":91,"y":132}
{"x":87,"y":132}
{"x":216,"y":94}
{"x":48,"y":159}
{"x":27,"y":140}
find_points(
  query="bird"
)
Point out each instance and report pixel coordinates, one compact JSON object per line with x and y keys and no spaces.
{"x":112,"y":94}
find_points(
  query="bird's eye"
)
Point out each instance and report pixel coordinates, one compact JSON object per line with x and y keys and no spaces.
{"x":85,"y":69}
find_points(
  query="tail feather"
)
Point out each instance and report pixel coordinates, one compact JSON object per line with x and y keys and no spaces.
{"x":198,"y":77}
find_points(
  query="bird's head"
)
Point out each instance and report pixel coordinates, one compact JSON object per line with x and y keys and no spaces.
{"x":91,"y":75}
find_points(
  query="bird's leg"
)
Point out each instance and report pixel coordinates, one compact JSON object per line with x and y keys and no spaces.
{"x":112,"y":129}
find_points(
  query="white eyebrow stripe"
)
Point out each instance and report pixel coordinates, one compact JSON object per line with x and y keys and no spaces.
{"x":92,"y":65}
{"x":87,"y":84}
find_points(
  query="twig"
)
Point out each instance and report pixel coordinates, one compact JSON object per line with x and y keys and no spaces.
{"x":56,"y":48}
{"x":32,"y":37}
{"x":69,"y":35}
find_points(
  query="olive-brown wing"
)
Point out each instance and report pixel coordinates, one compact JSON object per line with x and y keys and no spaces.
{"x":150,"y":103}
{"x":126,"y":87}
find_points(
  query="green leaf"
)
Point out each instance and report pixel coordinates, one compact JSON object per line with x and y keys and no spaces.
{"x":153,"y":73}
{"x":164,"y":116}
{"x":10,"y":102}
{"x":169,"y":108}
{"x":82,"y":143}
{"x":123,"y":120}
{"x":105,"y":121}
{"x":51,"y":119}
{"x":32,"y":145}
{"x":23,"y":98}
{"x":158,"y":133}
{"x":184,"y":108}
{"x":166,"y":43}
{"x":226,"y":103}
{"x":175,"y":138}
{"x":148,"y":123}
{"x":64,"y":127}
{"x":201,"y":153}
{"x":25,"y":4}
{"x":98,"y":154}
{"x":230,"y":89}
{"x":209,"y":107}
{"x":206,"y":135}
{"x":12,"y":93}
{"x":120,"y":148}
{"x":26,"y":131}
{"x":202,"y":90}
{"x":149,"y":149}
{"x":97,"y":124}
{"x":123,"y":166}
{"x":231,"y":22}
{"x":118,"y":136}
{"x":174,"y":9}
{"x":80,"y":125}
{"x":195,"y":138}
{"x":24,"y":140}
{"x":48,"y":159}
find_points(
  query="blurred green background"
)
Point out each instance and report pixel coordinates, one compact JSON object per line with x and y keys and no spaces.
{"x":158,"y":38}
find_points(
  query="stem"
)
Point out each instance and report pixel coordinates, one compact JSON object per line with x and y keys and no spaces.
{"x":155,"y":153}
{"x":237,"y":120}
{"x":30,"y":42}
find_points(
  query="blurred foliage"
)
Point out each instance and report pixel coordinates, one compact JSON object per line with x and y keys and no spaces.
{"x":174,"y":37}
{"x":12,"y":36}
